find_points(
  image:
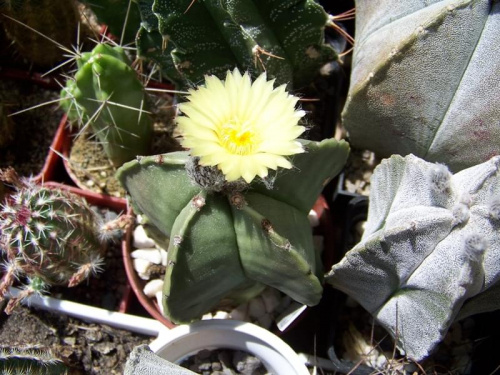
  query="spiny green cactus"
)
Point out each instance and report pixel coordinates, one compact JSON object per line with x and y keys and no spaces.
{"x":30,"y":360}
{"x":55,"y":19}
{"x":107,"y":94}
{"x":430,"y":253}
{"x":190,"y":39}
{"x":49,"y":236}
{"x":228,"y":242}
{"x":425,"y":80}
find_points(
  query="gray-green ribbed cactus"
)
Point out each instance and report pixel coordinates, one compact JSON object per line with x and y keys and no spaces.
{"x":430,"y":253}
{"x":425,"y":80}
{"x":49,"y":236}
{"x":190,"y":39}
{"x":107,"y":94}
{"x":229,"y":243}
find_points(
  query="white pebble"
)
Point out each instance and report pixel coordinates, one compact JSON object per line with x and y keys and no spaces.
{"x":141,"y":265}
{"x":256,"y":308}
{"x":153,"y":287}
{"x":313,"y":218}
{"x":141,"y":239}
{"x":240,"y":312}
{"x":265,"y":321}
{"x":153,"y":255}
{"x":221,"y":315}
{"x":159,"y":300}
{"x":164,"y":256}
{"x":207,"y":316}
{"x":271,"y":298}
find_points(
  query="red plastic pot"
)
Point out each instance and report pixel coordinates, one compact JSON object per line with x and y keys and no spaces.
{"x":325,"y":229}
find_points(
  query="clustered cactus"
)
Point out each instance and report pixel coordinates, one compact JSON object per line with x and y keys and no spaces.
{"x":189,"y":39}
{"x":49,"y":236}
{"x":107,"y":95}
{"x":430,"y":251}
{"x":229,"y":240}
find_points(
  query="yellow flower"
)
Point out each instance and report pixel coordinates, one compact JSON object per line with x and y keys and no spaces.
{"x":241,"y":127}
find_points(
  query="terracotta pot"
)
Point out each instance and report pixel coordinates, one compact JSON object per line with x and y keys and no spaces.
{"x":150,"y":304}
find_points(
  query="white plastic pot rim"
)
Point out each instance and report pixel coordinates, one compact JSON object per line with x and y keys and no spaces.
{"x":185,"y":340}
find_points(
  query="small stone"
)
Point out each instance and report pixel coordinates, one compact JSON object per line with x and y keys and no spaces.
{"x":256,"y":308}
{"x":245,"y":363}
{"x":103,"y":174}
{"x":69,"y":341}
{"x":153,"y":255}
{"x":265,"y":321}
{"x":271,"y":298}
{"x":240,"y":312}
{"x":313,"y":218}
{"x":90,"y":183}
{"x":159,"y":301}
{"x":221,"y":315}
{"x":153,"y":287}
{"x":141,"y":239}
{"x":142,"y":267}
{"x":164,"y":257}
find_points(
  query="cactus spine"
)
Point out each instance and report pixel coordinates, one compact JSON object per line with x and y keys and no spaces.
{"x":49,"y":236}
{"x":55,"y":19}
{"x":107,"y":95}
{"x":191,"y":39}
{"x":30,"y":360}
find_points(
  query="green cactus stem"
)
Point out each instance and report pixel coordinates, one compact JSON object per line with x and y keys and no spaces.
{"x":229,"y":243}
{"x":50,"y":236}
{"x":424,"y":80}
{"x":430,"y":251}
{"x":190,"y":39}
{"x":107,"y":95}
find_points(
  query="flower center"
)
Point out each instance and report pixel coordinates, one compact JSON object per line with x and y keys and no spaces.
{"x":239,"y":138}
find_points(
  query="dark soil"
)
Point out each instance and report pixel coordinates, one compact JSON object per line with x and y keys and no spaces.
{"x":33,"y":130}
{"x":85,"y":348}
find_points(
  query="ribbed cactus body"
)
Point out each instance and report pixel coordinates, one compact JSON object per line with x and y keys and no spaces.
{"x":55,"y":19}
{"x":229,"y":245}
{"x":49,"y":234}
{"x":424,"y":80}
{"x":114,"y":13}
{"x":107,"y":94}
{"x":191,"y":39}
{"x":430,"y":252}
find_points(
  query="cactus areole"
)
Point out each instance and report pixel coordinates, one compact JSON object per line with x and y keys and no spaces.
{"x":189,"y":39}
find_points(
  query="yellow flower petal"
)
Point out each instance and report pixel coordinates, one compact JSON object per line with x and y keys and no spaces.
{"x":241,"y":127}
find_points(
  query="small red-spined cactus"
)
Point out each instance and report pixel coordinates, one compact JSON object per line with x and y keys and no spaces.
{"x":48,"y":235}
